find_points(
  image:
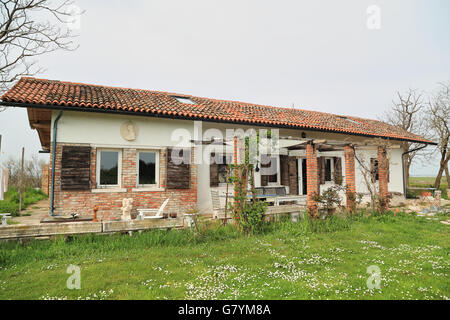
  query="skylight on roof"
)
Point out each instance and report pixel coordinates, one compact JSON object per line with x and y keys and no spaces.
{"x":350,"y":120}
{"x":184,"y":100}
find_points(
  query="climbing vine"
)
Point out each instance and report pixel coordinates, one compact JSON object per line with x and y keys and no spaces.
{"x":247,"y":211}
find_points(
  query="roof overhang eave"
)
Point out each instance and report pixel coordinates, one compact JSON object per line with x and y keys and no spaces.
{"x":171,"y":116}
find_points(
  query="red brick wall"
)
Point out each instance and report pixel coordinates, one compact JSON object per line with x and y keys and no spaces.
{"x":350,"y":175}
{"x":82,"y":202}
{"x":45,"y":179}
{"x":311,"y":178}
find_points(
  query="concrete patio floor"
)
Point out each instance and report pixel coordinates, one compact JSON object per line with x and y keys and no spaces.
{"x":34,"y":213}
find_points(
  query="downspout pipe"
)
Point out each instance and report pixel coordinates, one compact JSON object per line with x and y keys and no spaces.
{"x":52,"y":187}
{"x":403,"y":165}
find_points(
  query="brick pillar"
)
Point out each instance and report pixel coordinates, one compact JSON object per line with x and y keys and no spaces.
{"x":350,"y":177}
{"x":311,"y":178}
{"x":129,"y":158}
{"x":383,"y":174}
{"x":45,"y":179}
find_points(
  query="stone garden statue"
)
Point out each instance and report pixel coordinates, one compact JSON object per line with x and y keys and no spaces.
{"x":127,"y":204}
{"x":437,"y":198}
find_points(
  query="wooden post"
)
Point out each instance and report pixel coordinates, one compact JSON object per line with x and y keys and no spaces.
{"x":235,"y":149}
{"x":21,"y":182}
{"x":226,"y":196}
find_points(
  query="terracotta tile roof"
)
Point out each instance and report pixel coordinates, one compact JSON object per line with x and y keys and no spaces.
{"x":41,"y":92}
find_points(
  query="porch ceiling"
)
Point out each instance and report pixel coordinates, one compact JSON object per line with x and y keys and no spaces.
{"x":40,"y":119}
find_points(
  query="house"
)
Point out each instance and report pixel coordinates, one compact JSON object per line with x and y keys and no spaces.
{"x":108,"y":143}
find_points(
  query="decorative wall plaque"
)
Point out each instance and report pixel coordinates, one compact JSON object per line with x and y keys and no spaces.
{"x":128,"y":131}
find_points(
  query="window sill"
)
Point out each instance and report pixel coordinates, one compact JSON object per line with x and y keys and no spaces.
{"x":147,"y":189}
{"x":108,"y":190}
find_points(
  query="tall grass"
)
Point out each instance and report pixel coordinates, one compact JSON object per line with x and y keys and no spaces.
{"x":99,"y":245}
{"x":95,"y":245}
{"x":10,"y":204}
{"x":307,"y":225}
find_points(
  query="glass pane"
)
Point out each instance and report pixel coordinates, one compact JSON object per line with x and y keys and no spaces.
{"x":269,"y":167}
{"x":327,"y":169}
{"x":184,"y":100}
{"x":147,"y":168}
{"x":109,"y":161}
{"x":222,"y":173}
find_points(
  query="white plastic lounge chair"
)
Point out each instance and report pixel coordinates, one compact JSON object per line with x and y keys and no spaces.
{"x":157,"y":213}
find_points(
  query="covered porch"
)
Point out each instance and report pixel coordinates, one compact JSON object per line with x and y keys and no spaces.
{"x":304,"y":169}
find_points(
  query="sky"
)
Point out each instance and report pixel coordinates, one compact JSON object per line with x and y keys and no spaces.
{"x":317,"y":55}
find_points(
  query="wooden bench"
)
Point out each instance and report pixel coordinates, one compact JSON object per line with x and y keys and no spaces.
{"x":293,"y":210}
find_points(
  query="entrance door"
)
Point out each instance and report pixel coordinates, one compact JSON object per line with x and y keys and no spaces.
{"x":301,"y":162}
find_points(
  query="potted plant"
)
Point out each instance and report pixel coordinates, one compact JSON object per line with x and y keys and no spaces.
{"x":329,"y":200}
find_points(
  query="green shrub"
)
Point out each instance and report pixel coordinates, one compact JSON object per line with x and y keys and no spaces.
{"x":251,"y":217}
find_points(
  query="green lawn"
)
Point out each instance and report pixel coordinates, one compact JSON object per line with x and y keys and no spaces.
{"x":325,"y":260}
{"x":10,"y":204}
{"x":428,"y":182}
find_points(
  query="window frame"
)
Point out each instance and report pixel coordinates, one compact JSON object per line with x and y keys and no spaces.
{"x":331,"y":169}
{"x":278,"y":174}
{"x":157,"y":168}
{"x":184,"y":100}
{"x":98,"y":168}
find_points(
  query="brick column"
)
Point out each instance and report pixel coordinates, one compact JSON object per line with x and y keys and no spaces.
{"x":383,"y":173}
{"x":350,"y":177}
{"x":129,"y":159}
{"x":311,"y":178}
{"x":45,"y":179}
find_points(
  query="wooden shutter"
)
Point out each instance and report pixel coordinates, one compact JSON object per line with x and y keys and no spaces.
{"x":337,"y":170}
{"x":178,"y":168}
{"x":76,"y":168}
{"x":321,"y":169}
{"x":284,"y":170}
{"x":264,"y":180}
{"x":264,"y":177}
{"x":213,"y":172}
{"x":293,"y":176}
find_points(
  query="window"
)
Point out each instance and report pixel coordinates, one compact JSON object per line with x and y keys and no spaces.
{"x":349,"y":120}
{"x":223,"y":169}
{"x":328,"y":166}
{"x":148,"y":168}
{"x":108,"y":168}
{"x":184,"y":100}
{"x":218,"y":168}
{"x":269,"y":168}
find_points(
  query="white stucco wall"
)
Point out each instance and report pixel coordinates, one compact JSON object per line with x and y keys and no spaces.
{"x":99,"y":129}
{"x":395,"y":169}
{"x":104,"y":129}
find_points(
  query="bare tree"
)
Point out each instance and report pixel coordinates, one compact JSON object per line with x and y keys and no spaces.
{"x":369,"y":172}
{"x":31,"y":28}
{"x":32,"y":172}
{"x":407,"y":113}
{"x":438,"y":123}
